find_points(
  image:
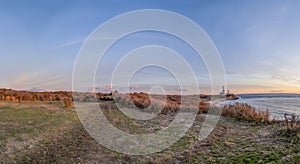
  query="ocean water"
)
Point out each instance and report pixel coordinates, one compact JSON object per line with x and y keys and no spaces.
{"x":278,"y":104}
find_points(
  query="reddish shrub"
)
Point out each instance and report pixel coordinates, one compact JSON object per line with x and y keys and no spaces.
{"x":203,"y":106}
{"x":244,"y":111}
{"x":67,"y":102}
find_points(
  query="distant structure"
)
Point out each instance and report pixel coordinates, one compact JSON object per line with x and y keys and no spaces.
{"x":223,"y":91}
{"x":95,"y":89}
{"x":228,"y":95}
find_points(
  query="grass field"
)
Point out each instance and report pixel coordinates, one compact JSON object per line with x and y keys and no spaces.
{"x":45,"y":132}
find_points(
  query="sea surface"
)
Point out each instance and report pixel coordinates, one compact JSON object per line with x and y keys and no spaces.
{"x":278,"y":104}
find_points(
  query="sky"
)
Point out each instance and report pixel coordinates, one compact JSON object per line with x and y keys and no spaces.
{"x":258,"y":42}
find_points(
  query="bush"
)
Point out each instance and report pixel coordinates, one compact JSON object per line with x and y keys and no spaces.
{"x":292,"y":121}
{"x":203,"y":106}
{"x":244,"y":111}
{"x":292,"y":128}
{"x":67,"y":102}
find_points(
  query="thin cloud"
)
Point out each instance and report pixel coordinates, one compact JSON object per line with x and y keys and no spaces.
{"x":276,"y":91}
{"x":67,"y":44}
{"x":79,"y":41}
{"x":38,"y":80}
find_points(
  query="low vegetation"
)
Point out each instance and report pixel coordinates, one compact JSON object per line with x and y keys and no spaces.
{"x":67,"y":102}
{"x":246,"y":112}
{"x":48,"y":132}
{"x":290,"y":128}
{"x":168,"y":103}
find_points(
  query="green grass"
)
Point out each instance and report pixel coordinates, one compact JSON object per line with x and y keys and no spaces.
{"x":24,"y":125}
{"x":26,"y":121}
{"x":61,"y":138}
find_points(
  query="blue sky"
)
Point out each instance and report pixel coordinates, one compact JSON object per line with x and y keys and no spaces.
{"x":257,"y":40}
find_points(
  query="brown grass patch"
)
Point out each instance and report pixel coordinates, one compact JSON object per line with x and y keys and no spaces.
{"x":243,"y":111}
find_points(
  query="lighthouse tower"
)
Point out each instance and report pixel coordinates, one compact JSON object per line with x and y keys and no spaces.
{"x":223,"y":91}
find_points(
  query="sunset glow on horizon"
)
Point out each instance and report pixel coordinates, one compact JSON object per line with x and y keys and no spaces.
{"x":258,"y":42}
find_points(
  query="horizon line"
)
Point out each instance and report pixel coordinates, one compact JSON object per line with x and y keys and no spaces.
{"x":60,"y":90}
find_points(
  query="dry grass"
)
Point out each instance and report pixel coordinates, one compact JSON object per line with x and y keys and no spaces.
{"x":24,"y":125}
{"x":67,"y":102}
{"x":243,"y":111}
{"x":203,"y":106}
{"x":38,"y":135}
{"x":291,"y":129}
{"x":140,"y":100}
{"x":169,"y":103}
